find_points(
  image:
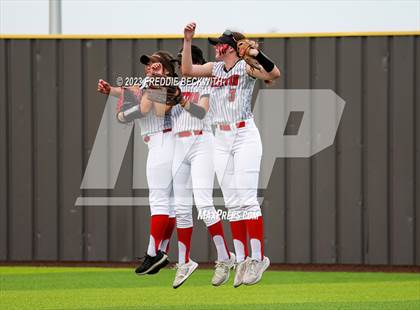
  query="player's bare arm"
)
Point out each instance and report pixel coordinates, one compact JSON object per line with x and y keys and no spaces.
{"x":187,"y":67}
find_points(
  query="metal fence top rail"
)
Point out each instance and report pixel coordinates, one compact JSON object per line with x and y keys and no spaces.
{"x":204,"y":36}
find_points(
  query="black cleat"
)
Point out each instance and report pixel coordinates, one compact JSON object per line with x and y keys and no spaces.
{"x":158,"y":268}
{"x":150,"y":263}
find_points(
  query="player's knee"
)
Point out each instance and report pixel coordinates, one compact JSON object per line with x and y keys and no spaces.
{"x":180,"y":202}
{"x":160,"y":202}
{"x":182,"y":208}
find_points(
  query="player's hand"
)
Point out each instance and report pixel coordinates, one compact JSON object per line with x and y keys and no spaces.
{"x":189,"y":31}
{"x":154,"y":68}
{"x":104,"y":87}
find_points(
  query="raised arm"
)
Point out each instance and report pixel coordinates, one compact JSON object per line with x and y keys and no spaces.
{"x":187,"y":67}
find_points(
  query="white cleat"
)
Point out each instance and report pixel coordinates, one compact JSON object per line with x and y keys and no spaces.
{"x":255,"y":270}
{"x":183,"y":272}
{"x":240,"y":271}
{"x":222,"y":271}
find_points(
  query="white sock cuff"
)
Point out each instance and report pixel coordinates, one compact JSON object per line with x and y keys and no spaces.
{"x":184,"y":220}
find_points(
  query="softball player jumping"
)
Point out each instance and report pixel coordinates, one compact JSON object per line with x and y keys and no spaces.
{"x":238,"y":149}
{"x":193,"y":173}
{"x":156,"y":127}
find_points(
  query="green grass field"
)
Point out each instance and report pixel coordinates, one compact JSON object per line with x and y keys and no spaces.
{"x":111,"y":289}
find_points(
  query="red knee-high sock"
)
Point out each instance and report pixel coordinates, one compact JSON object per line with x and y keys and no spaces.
{"x":218,"y":236}
{"x":158,"y":225}
{"x":184,"y":244}
{"x":255,"y":229}
{"x":164,"y":246}
{"x":238,"y":229}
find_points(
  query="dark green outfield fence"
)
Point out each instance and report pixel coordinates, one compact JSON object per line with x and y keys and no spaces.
{"x":356,"y":202}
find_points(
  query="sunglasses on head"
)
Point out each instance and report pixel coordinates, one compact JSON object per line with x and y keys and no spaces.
{"x":228,"y":33}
